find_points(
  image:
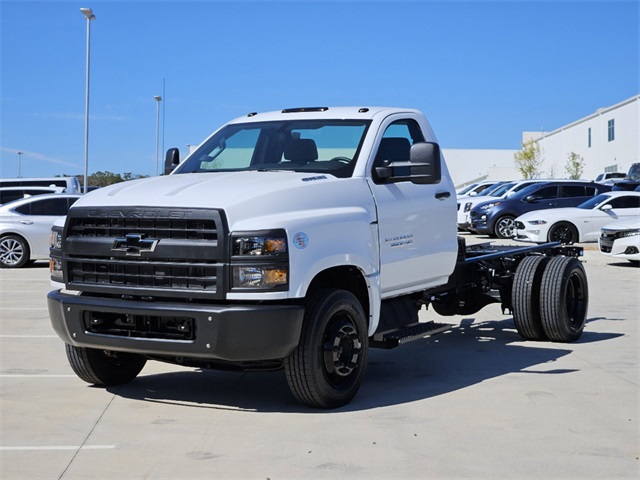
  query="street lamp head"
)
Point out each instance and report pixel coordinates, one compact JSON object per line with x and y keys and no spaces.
{"x":158,"y":98}
{"x":87,"y":12}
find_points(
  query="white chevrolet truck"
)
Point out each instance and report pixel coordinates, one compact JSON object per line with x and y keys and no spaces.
{"x":295,"y":239}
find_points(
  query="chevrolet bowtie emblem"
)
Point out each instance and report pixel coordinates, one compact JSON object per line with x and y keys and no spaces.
{"x":134,"y":244}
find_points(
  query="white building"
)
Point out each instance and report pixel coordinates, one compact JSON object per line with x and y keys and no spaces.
{"x":607,"y":140}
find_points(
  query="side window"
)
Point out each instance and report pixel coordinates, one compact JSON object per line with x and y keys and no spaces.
{"x":591,"y":191}
{"x":625,"y":202}
{"x":396,"y":143}
{"x":573,"y":191}
{"x":50,"y":206}
{"x":545,"y":193}
{"x":24,"y":209}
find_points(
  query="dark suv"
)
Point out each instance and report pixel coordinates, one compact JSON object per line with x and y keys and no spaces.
{"x":496,"y":218}
{"x":631,"y":181}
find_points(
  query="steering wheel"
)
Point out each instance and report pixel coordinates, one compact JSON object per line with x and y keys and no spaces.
{"x":345,"y":160}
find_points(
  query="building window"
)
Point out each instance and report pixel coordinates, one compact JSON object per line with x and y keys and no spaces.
{"x":611,"y":130}
{"x":589,"y":138}
{"x":611,"y":168}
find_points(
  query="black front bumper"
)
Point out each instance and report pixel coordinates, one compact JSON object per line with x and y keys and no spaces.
{"x":231,"y":332}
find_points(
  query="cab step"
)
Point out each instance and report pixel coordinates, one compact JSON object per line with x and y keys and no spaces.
{"x":398,"y":336}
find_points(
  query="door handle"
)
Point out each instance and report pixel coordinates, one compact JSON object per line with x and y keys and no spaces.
{"x":442,"y":195}
{"x":26,"y":222}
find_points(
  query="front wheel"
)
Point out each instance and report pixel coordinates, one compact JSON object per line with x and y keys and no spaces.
{"x":327,"y":367}
{"x":104,"y":367}
{"x":14,"y":252}
{"x":563,"y":232}
{"x":505,"y":227}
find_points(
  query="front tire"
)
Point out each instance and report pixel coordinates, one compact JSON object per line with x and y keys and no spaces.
{"x":14,"y":252}
{"x":564,"y":298}
{"x":563,"y":232}
{"x":505,"y":227}
{"x":327,"y":367}
{"x":103,"y":367}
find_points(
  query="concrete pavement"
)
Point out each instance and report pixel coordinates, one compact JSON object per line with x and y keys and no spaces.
{"x":475,"y":402}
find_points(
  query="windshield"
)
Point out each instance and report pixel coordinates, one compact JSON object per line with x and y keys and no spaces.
{"x":634,"y":172}
{"x":320,"y":146}
{"x":594,"y":202}
{"x":500,"y":190}
{"x":466,"y":189}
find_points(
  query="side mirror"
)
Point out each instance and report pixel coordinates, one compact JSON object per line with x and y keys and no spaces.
{"x":424,"y":163}
{"x":171,"y":160}
{"x":530,"y":199}
{"x":607,"y":207}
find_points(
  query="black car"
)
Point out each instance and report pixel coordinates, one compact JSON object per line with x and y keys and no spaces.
{"x":496,"y":218}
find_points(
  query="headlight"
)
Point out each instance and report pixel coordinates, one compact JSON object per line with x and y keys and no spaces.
{"x":55,"y":255}
{"x":630,"y":233}
{"x":536,"y":222}
{"x":259,"y":245}
{"x":260,"y":260}
{"x":467,"y":207}
{"x":489,"y":205}
{"x":55,"y":240}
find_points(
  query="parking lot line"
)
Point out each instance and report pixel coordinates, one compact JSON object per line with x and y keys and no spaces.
{"x":10,"y":375}
{"x":28,"y":336}
{"x":23,"y":448}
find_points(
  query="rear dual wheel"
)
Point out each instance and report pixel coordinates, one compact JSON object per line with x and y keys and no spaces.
{"x":550,"y":298}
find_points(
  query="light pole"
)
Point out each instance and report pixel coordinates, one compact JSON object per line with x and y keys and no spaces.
{"x":19,"y":153}
{"x":88,"y":13}
{"x":158,"y":100}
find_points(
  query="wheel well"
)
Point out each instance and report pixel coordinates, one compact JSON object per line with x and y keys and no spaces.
{"x":343,"y":278}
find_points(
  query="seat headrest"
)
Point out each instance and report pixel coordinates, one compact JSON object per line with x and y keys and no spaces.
{"x":301,"y":150}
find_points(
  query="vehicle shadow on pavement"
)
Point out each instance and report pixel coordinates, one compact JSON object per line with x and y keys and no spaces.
{"x":457,"y":359}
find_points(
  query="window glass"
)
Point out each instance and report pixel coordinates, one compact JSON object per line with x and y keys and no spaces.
{"x":611,"y":130}
{"x":313,"y":146}
{"x":573,"y":191}
{"x":625,"y":202}
{"x":545,"y":193}
{"x":396,"y":143}
{"x":50,"y":206}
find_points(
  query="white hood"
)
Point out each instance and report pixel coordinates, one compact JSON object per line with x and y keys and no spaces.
{"x":242,"y":195}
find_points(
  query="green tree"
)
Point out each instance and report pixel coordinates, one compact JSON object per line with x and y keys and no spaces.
{"x":574,"y":166}
{"x":529,"y":160}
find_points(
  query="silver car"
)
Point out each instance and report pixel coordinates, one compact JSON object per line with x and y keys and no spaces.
{"x":25,"y":227}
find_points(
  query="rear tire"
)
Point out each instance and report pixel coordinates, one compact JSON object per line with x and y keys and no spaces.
{"x":505,"y":227}
{"x":564,"y":298}
{"x":104,"y":368}
{"x":526,"y":298}
{"x":563,"y":232}
{"x":327,"y":367}
{"x":14,"y":252}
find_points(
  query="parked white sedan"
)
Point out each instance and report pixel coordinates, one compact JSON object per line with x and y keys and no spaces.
{"x":25,"y":227}
{"x":621,"y":240}
{"x":577,"y":224}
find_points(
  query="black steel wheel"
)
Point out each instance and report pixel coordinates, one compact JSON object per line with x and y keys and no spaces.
{"x":505,"y":227}
{"x":327,"y":367}
{"x":564,"y":299}
{"x":563,"y":232}
{"x":103,"y":367}
{"x":14,"y":252}
{"x":526,"y":297}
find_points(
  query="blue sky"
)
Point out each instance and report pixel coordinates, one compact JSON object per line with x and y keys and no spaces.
{"x":482,"y":71}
